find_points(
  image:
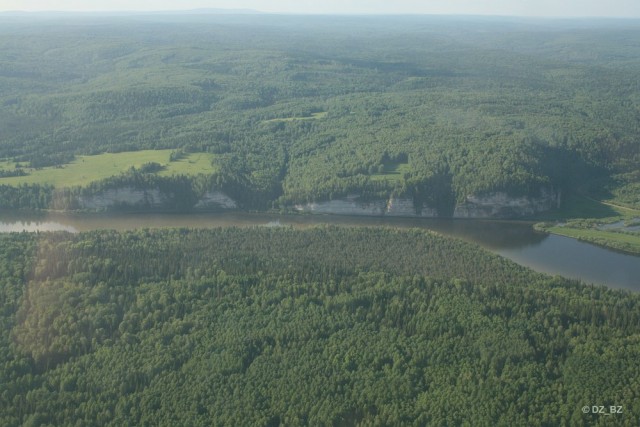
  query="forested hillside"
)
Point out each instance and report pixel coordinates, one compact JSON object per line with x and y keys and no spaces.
{"x":269,"y":326}
{"x":326,"y":325}
{"x":295,"y":109}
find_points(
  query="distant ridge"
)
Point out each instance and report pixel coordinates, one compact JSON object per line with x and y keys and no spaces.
{"x":218,"y":11}
{"x":206,"y":11}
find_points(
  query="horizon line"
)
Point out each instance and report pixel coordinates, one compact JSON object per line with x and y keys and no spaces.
{"x":247,"y":11}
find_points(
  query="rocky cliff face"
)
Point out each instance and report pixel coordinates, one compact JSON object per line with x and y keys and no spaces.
{"x":128,"y":197}
{"x":495,"y":205}
{"x":501,"y":205}
{"x":123,"y":197}
{"x":352,"y":205}
{"x":216,"y":200}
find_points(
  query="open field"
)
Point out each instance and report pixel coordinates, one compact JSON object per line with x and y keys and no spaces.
{"x":191,"y":164}
{"x":86,"y":169}
{"x":392,"y":172}
{"x":313,"y":116}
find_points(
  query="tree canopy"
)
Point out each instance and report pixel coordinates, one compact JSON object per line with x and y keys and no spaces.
{"x":329,"y":325}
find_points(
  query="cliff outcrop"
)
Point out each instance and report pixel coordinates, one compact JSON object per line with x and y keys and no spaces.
{"x":494,"y":205}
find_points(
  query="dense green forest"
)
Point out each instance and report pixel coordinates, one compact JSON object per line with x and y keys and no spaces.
{"x":327,"y":325}
{"x":296,"y":109}
{"x":324,"y":326}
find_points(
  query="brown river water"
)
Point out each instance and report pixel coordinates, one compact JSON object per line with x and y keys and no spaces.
{"x":512,"y":239}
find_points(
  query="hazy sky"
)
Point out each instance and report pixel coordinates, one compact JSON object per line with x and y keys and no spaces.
{"x":605,"y":8}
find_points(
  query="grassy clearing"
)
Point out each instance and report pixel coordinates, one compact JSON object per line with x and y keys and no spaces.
{"x":313,"y":116}
{"x":392,"y":172}
{"x":191,"y":164}
{"x":87,"y":169}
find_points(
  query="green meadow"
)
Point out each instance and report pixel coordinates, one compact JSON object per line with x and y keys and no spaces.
{"x":392,"y":172}
{"x":313,"y":116}
{"x":86,"y":169}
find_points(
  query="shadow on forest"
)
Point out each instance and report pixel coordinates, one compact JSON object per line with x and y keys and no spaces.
{"x":577,"y":178}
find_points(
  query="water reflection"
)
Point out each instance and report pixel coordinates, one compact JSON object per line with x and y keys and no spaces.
{"x":34,"y":226}
{"x":18,"y":222}
{"x":571,"y":258}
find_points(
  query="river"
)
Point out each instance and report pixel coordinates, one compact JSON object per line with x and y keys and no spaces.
{"x":512,"y":239}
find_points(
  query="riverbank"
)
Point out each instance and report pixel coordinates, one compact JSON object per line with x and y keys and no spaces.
{"x":600,"y":223}
{"x":626,"y":242}
{"x":515,"y":240}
